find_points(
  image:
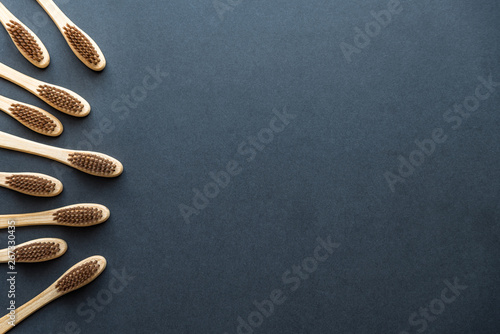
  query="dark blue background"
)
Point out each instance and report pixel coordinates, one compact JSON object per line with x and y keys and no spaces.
{"x":323,"y":175}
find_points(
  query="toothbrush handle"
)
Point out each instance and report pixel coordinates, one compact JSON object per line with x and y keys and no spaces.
{"x":11,"y":142}
{"x":28,"y":219}
{"x":4,"y":255}
{"x":4,"y":14}
{"x":18,"y":78}
{"x":28,"y":309}
{"x":55,"y":13}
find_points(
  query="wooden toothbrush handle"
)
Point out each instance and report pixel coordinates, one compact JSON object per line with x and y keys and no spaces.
{"x":28,"y":219}
{"x":28,"y":309}
{"x":27,"y":146}
{"x":3,"y":179}
{"x":55,"y":13}
{"x":4,"y":255}
{"x":5,"y":103}
{"x":20,"y":79}
{"x":5,"y":15}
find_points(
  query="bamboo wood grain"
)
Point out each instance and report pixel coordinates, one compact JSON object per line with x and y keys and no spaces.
{"x":5,"y":254}
{"x":6,"y":105}
{"x":57,"y":189}
{"x":7,"y":17}
{"x":32,"y":85}
{"x":48,"y":218}
{"x":49,"y":295}
{"x":62,"y":21}
{"x":61,"y":155}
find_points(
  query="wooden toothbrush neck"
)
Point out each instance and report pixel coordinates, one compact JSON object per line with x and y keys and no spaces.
{"x":5,"y":15}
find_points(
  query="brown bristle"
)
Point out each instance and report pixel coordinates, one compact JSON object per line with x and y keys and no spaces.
{"x":61,"y":99}
{"x":25,"y":41}
{"x":31,"y":184}
{"x":92,"y":163}
{"x":79,"y":216}
{"x":32,"y":118}
{"x":78,"y":276}
{"x":37,"y":251}
{"x":82,"y":44}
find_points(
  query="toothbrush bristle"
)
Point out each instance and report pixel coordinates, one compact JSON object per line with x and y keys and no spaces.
{"x":82,"y":44}
{"x":92,"y":163}
{"x":61,"y":99}
{"x":25,"y":40}
{"x":33,"y":185}
{"x":33,"y":118}
{"x":78,"y":277}
{"x":38,"y":251}
{"x":78,"y":216}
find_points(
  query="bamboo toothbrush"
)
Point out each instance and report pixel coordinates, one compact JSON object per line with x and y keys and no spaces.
{"x":32,"y":184}
{"x":39,"y":250}
{"x":93,"y":163}
{"x":78,"y":215}
{"x":82,"y":45}
{"x":30,"y":46}
{"x":76,"y":277}
{"x":32,"y":117}
{"x":57,"y":97}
